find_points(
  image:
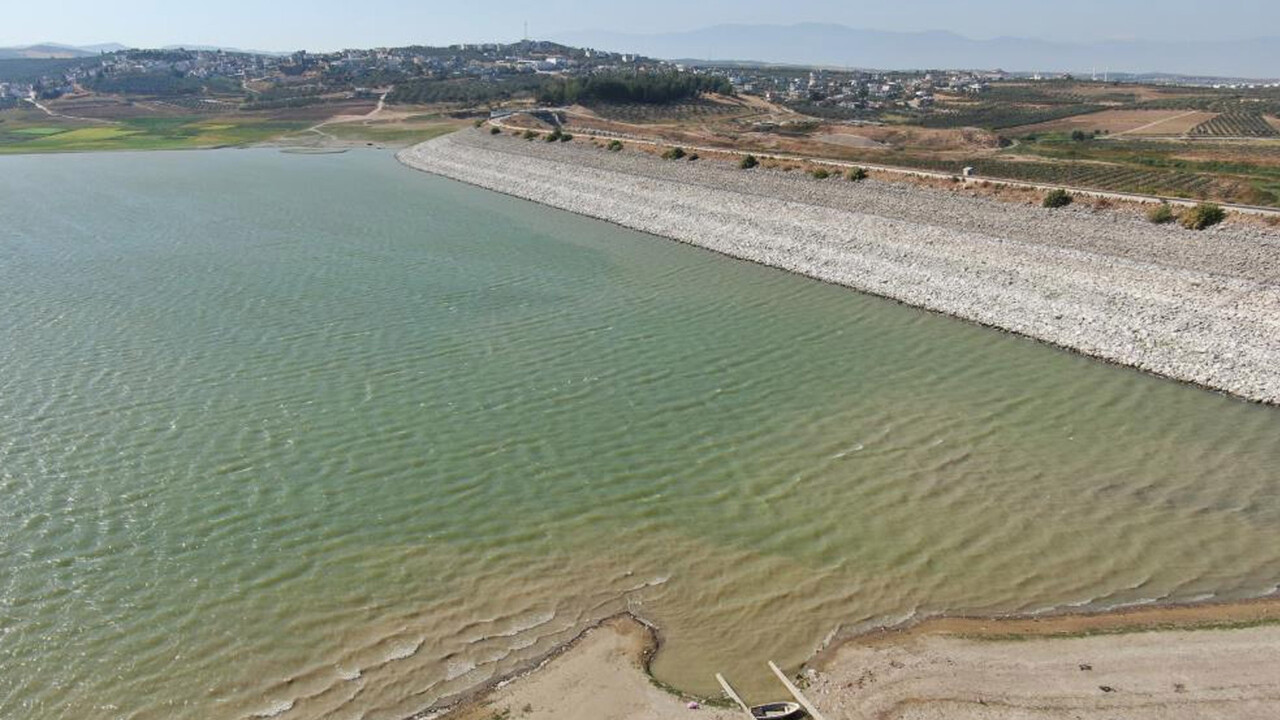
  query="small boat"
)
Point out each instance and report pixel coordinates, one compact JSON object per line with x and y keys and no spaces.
{"x":778,"y":711}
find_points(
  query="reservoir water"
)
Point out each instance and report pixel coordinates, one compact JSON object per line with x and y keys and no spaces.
{"x":321,"y":436}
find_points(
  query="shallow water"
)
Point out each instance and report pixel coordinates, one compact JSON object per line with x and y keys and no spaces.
{"x":320,"y":436}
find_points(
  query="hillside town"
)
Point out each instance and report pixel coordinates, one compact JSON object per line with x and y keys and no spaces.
{"x":214,"y":71}
{"x":488,"y":71}
{"x":303,"y":75}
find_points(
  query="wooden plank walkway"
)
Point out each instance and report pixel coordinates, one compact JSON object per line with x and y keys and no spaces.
{"x":729,"y":690}
{"x":795,"y":692}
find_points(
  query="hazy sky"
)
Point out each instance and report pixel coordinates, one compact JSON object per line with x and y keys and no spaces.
{"x":335,"y":24}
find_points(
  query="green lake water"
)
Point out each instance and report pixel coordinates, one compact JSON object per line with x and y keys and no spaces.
{"x":321,"y":436}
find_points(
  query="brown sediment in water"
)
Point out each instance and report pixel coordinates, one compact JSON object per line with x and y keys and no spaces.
{"x":1189,"y":616}
{"x":1149,"y":662}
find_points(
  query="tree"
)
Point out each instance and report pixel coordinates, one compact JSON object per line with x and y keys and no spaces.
{"x":748,"y":162}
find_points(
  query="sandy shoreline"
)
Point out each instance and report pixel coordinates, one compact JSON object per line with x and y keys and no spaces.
{"x":1157,"y":663}
{"x":1173,"y":662}
{"x":1202,"y":307}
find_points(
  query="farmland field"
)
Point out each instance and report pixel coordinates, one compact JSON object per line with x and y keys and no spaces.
{"x":39,"y":131}
{"x":1236,"y":125}
{"x":996,"y":115}
{"x":20,"y":134}
{"x":1119,"y":178}
{"x":648,"y":113}
{"x":1126,"y":122}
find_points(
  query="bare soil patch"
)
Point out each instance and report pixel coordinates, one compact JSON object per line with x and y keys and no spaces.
{"x":849,"y":140}
{"x":1131,"y":122}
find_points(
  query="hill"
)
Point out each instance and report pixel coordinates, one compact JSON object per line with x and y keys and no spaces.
{"x":44,"y":51}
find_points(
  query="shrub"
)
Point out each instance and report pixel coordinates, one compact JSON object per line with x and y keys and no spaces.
{"x":674,"y":153}
{"x":565,"y":137}
{"x":693,"y":156}
{"x":495,"y":131}
{"x":1080,"y":136}
{"x":820,"y":174}
{"x":856,"y":174}
{"x":1057,"y":198}
{"x":1160,"y":214}
{"x":478,"y":122}
{"x":1272,"y":220}
{"x":748,"y":162}
{"x":1202,"y":216}
{"x":529,"y":135}
{"x":615,"y":145}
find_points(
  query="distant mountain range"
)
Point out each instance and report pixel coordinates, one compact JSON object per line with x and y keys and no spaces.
{"x":55,"y":50}
{"x":58,"y":50}
{"x":817,"y":44}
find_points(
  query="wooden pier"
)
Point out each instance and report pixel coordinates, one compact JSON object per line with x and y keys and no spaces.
{"x":791,"y":688}
{"x":728,"y":689}
{"x":795,"y":692}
